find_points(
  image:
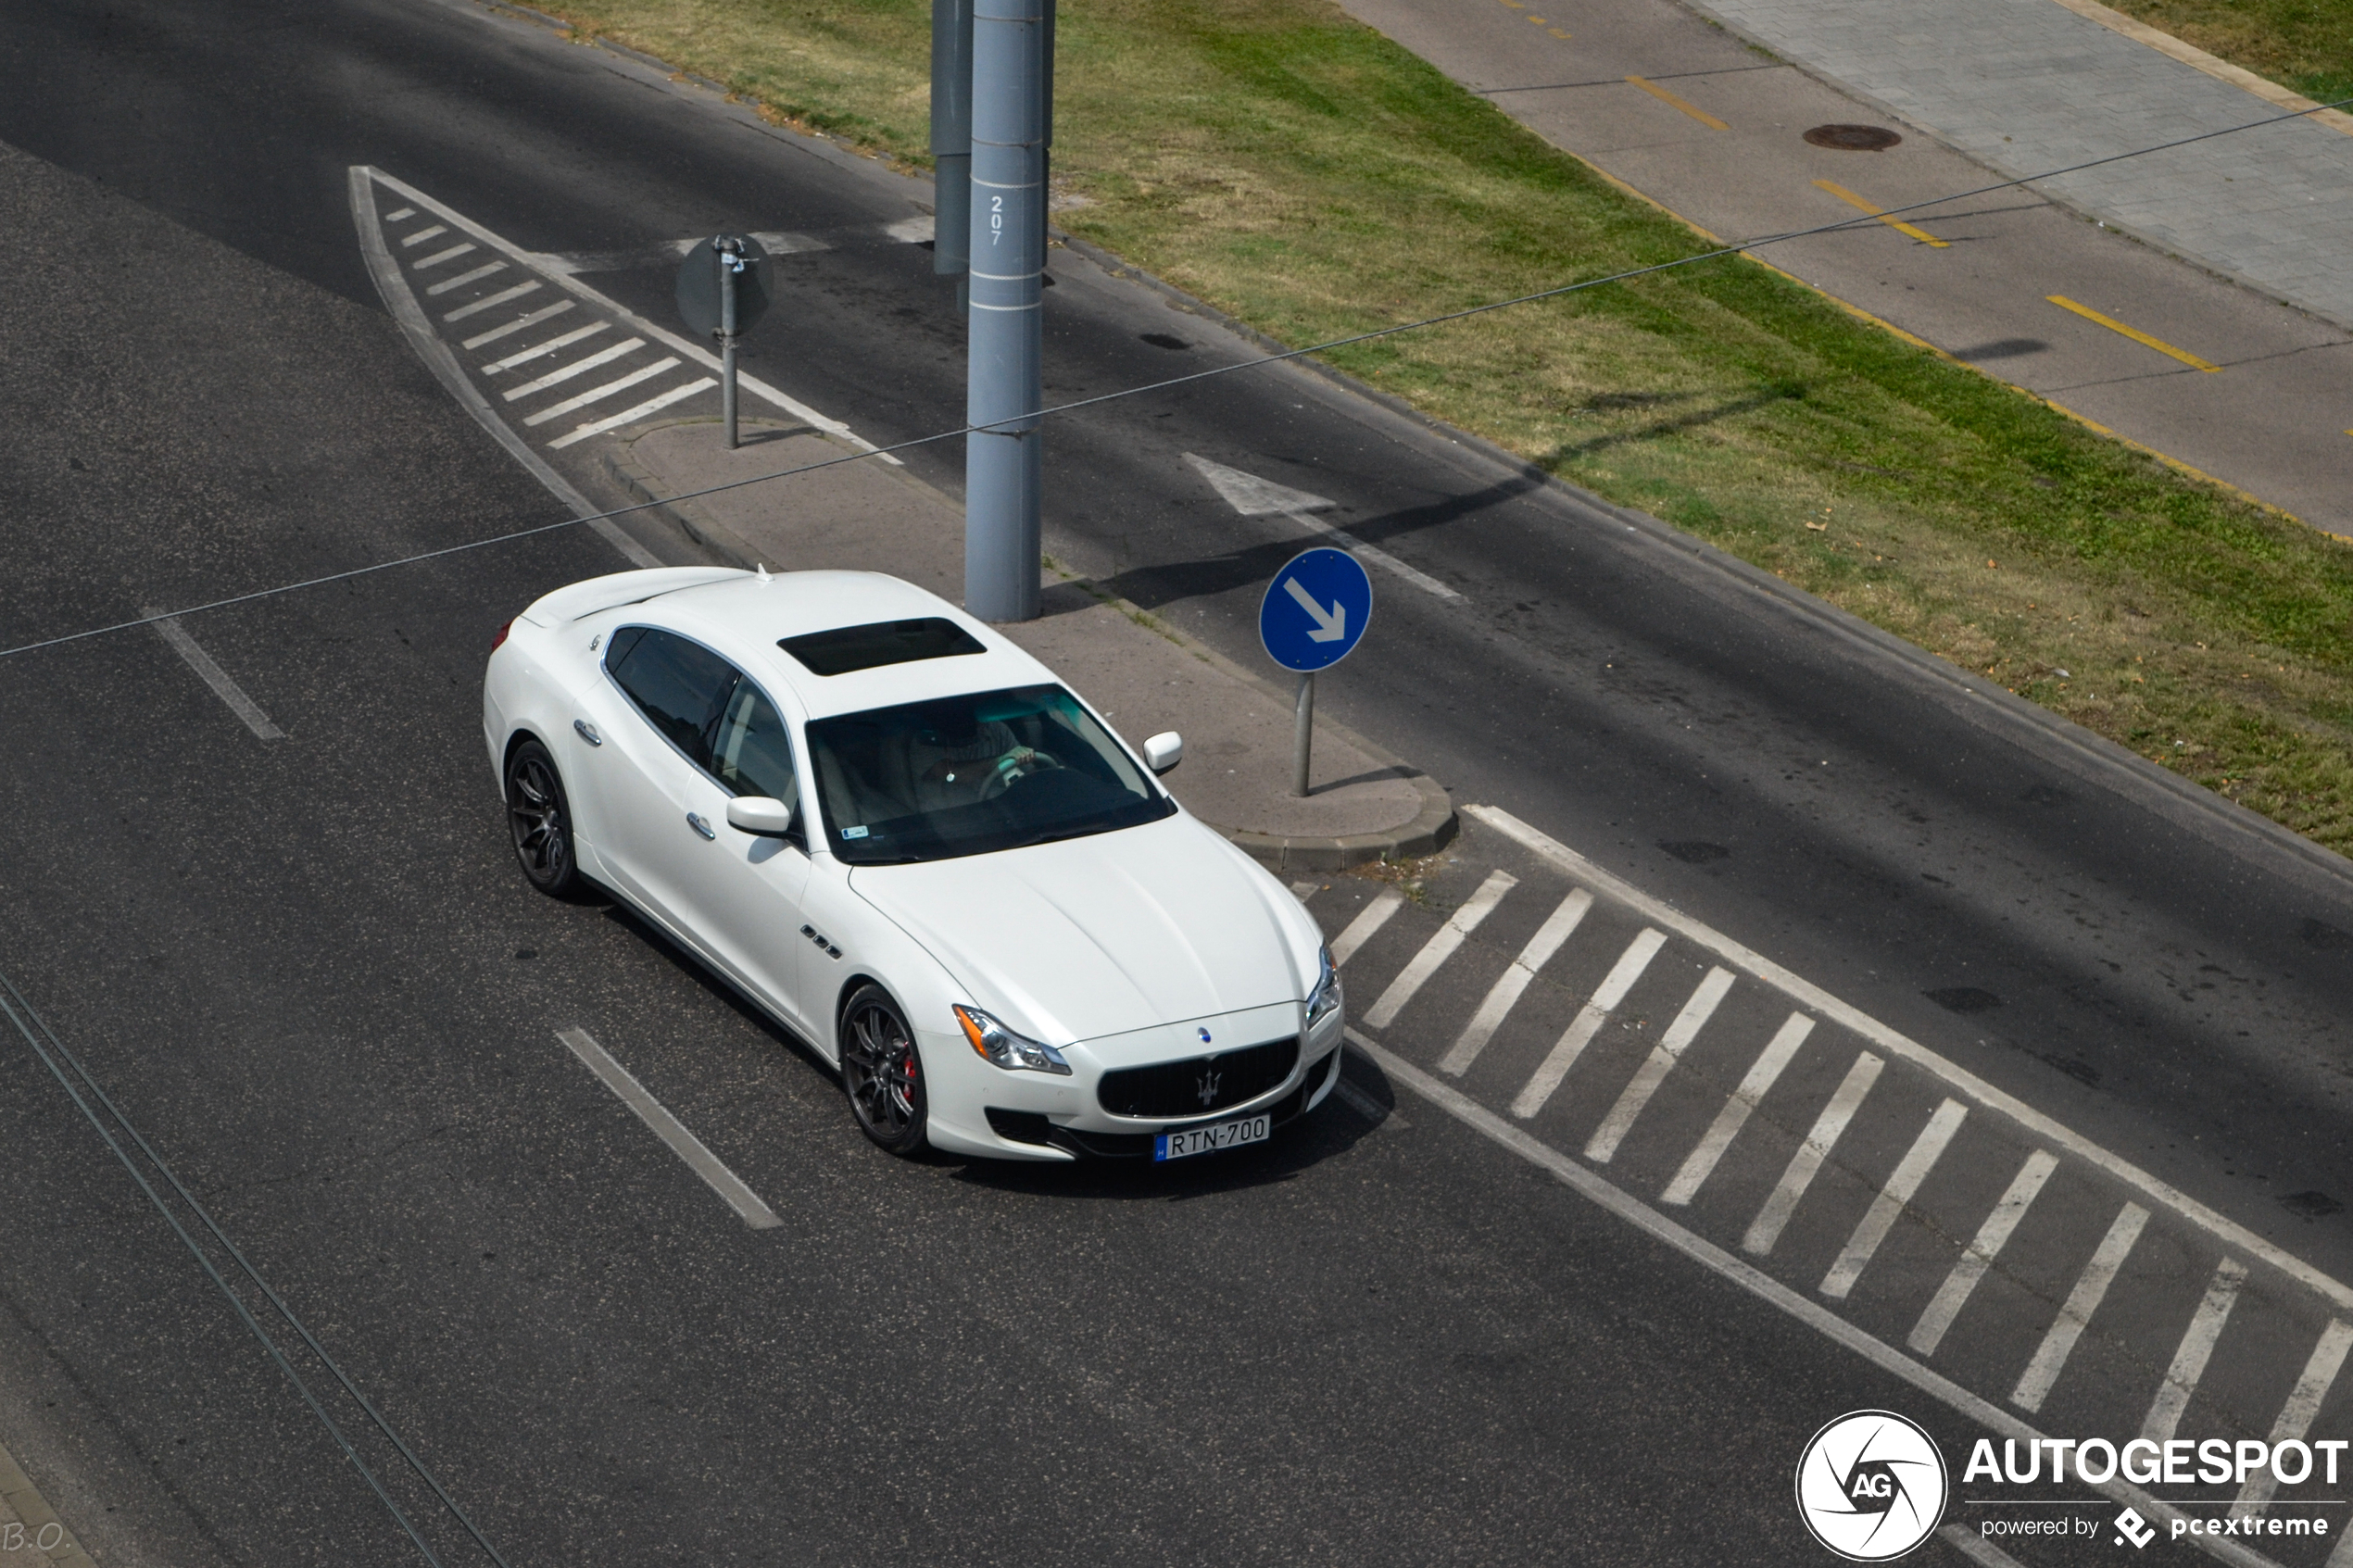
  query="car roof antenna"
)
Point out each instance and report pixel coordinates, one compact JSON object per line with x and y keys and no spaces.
{"x":764,"y":574}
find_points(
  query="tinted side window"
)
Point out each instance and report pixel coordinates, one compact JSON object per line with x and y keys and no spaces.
{"x":680,"y":686}
{"x":754,"y":753}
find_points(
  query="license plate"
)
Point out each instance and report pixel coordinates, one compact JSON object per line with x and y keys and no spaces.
{"x":1208,"y":1140}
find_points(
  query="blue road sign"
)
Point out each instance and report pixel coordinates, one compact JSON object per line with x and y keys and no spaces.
{"x":1316,"y":610}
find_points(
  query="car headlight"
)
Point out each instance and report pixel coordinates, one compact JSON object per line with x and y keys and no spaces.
{"x":1325,"y":999}
{"x":1015,"y":1053}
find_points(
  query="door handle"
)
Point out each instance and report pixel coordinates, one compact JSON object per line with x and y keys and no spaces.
{"x":694,"y":820}
{"x":587,"y":732}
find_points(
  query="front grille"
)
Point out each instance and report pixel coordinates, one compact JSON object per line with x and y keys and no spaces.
{"x":1198,"y":1085}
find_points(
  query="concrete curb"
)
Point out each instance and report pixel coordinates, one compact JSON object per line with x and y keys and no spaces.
{"x":1431,"y":830}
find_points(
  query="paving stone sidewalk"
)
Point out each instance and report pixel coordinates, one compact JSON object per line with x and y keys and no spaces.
{"x":2026,"y":85}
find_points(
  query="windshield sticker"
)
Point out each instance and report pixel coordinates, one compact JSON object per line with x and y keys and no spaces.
{"x":853,"y":833}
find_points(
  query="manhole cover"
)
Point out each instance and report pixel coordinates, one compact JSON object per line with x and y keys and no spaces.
{"x":1852,"y":138}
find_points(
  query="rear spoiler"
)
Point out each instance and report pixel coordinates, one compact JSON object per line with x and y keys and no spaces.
{"x":623,"y":588}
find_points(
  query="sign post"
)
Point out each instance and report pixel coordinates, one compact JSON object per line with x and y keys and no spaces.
{"x":722,"y":289}
{"x":1314,"y":615}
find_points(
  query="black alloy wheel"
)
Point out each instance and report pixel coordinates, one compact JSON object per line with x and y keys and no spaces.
{"x":882,"y":1072}
{"x":540,"y":819}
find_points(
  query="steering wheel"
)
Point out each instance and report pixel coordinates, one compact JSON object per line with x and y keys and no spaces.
{"x":1014,"y":766}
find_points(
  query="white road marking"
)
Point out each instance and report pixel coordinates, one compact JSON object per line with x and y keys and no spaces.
{"x":462,"y":279}
{"x":668,"y":1128}
{"x":1992,"y":1237}
{"x":1804,"y":992}
{"x":1253,"y":497}
{"x":519,"y":323}
{"x":1505,"y":992}
{"x":1654,"y":1068}
{"x":464,"y":248}
{"x":1440,"y":948}
{"x":2295,"y":1416}
{"x":675,"y":394}
{"x":598,"y":393}
{"x":1302,"y":891}
{"x":1880,"y":1217}
{"x":1977,"y":1549}
{"x":550,"y":347}
{"x":499,"y":298}
{"x":2197,"y":1344}
{"x":1587,"y":1021}
{"x":216,"y":678}
{"x":1370,"y":919}
{"x":1589,"y":1185}
{"x":1700,"y":1162}
{"x":1804,"y":1165}
{"x":699,"y":353}
{"x":2090,"y":1289}
{"x":397,"y":215}
{"x":578,"y":367}
{"x":910,"y":231}
{"x":422,"y":236}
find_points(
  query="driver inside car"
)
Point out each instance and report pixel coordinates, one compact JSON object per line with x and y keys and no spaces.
{"x":955,"y":759}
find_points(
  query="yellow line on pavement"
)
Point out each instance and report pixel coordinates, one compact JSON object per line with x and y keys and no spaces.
{"x":2183,"y":355}
{"x":1664,"y":97}
{"x":1851,"y":199}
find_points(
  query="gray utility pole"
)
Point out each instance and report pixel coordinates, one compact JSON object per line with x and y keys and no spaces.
{"x":729,"y":252}
{"x":951,"y":140}
{"x":1012,"y":85}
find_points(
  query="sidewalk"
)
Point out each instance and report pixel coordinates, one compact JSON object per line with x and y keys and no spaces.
{"x":2025,"y":85}
{"x":1363,"y":804}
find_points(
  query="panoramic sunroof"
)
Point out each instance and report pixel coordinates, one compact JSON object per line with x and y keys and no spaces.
{"x":846,"y":648}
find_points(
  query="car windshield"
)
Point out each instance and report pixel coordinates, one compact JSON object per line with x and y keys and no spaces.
{"x":965,"y":775}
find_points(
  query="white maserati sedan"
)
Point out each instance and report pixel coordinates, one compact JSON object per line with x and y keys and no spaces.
{"x":904,"y":838}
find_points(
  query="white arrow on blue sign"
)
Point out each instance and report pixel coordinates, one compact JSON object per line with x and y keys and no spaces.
{"x":1316,"y":610}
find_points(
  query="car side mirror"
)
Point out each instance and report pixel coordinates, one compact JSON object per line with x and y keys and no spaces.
{"x":760,"y":814}
{"x":1164,"y":751}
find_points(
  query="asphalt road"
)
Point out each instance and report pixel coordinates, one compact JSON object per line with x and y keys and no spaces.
{"x":306,"y":968}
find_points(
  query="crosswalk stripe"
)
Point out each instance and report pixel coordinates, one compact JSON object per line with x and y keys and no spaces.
{"x":1370,"y":919}
{"x":1767,"y":1228}
{"x":1975,"y":1258}
{"x":399,"y":213}
{"x":2197,"y":1344}
{"x":1880,"y":1217}
{"x":598,"y":393}
{"x":1506,"y":992}
{"x":578,"y":367}
{"x":437,"y":258}
{"x":1588,"y":1020}
{"x":1702,"y":1160}
{"x":2090,"y":1289}
{"x":490,"y":301}
{"x":562,"y":340}
{"x":652,"y":404}
{"x":462,"y":279}
{"x":1655,"y":1066}
{"x":2295,"y":1416}
{"x":433,"y":231}
{"x":1440,"y":948}
{"x":520,"y":322}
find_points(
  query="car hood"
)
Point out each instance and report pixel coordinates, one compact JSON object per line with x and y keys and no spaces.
{"x":1102,"y":935}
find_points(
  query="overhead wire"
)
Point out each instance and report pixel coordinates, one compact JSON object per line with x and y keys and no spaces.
{"x":1628,"y":274}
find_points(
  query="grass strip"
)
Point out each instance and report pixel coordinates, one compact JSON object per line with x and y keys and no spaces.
{"x":1304,"y":174}
{"x":2305,"y":45}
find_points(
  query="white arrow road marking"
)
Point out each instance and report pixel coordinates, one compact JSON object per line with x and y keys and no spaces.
{"x":1253,"y":497}
{"x":1329,"y":628}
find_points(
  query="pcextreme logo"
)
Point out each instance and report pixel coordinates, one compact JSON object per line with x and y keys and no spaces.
{"x":1872,"y":1485}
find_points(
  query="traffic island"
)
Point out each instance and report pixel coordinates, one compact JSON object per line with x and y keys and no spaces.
{"x":1363,"y":804}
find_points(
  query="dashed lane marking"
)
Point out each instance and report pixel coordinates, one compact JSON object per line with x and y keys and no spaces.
{"x":2183,"y":355}
{"x":670,"y":1130}
{"x":212,"y":676}
{"x":1862,"y":205}
{"x":1664,"y":97}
